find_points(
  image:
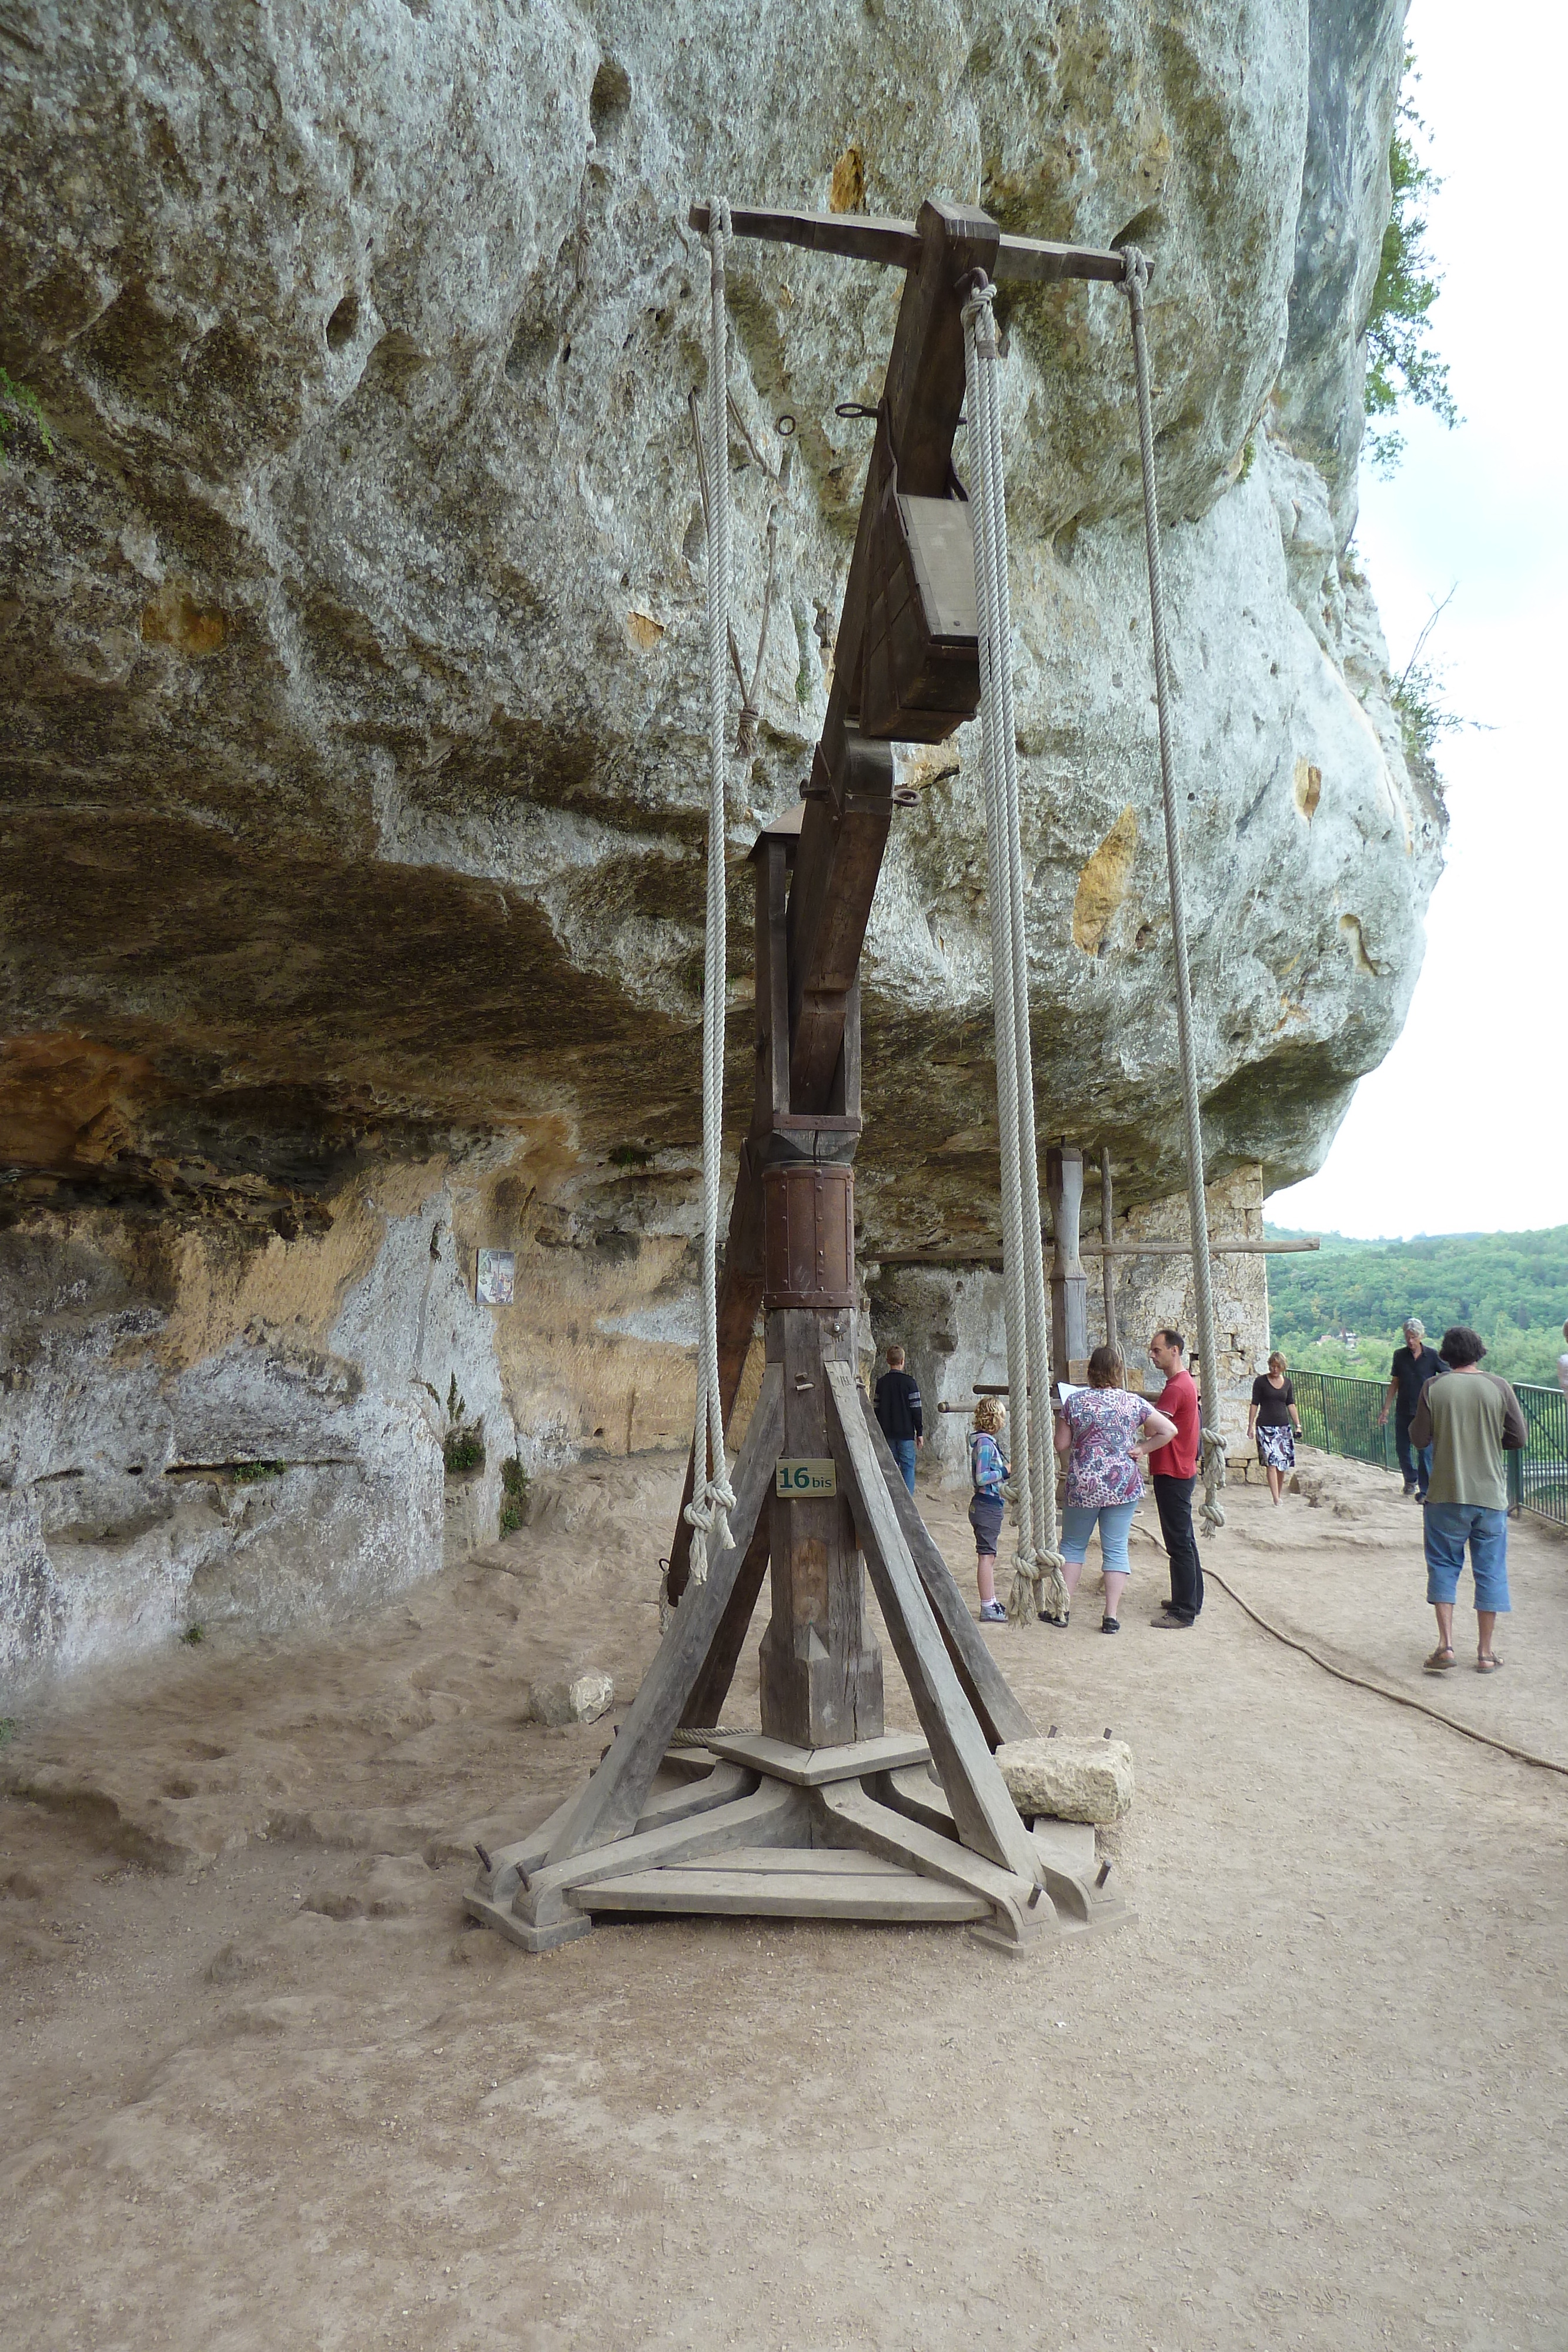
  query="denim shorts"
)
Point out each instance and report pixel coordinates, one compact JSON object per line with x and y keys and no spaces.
{"x":986,"y":1519}
{"x":1446,"y":1528}
{"x":1116,"y":1521}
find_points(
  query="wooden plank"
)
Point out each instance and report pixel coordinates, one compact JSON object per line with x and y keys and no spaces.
{"x":509,"y":1864}
{"x":772,"y":985}
{"x":1038,"y":260}
{"x":986,"y":1816}
{"x":821,"y":1860}
{"x":857,"y":237}
{"x":609,"y":1806}
{"x":1184,"y":1249}
{"x":904,"y":1899}
{"x":1019,"y":1904}
{"x":814,"y":1768}
{"x":985,"y":1685}
{"x":770,"y":1815}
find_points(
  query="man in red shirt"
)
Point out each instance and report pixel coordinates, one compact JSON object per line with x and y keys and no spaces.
{"x":1172,"y":1470}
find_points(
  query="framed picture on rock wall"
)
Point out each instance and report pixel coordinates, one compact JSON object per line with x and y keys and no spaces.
{"x":497,"y":1272}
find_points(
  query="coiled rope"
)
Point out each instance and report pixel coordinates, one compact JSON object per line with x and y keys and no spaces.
{"x":713,"y":1496}
{"x":1033,"y":1484}
{"x":1134,"y":284}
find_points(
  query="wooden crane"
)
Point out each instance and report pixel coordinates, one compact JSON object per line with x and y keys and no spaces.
{"x":826,"y":1815}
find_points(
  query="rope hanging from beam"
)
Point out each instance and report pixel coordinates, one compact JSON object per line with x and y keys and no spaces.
{"x":713,"y":1496}
{"x":1033,"y":1483}
{"x":1134,"y":284}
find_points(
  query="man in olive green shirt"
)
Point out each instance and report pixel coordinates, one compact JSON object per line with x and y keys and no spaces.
{"x":1469,"y":1422}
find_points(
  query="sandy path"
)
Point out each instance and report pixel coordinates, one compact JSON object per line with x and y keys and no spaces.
{"x":1315,"y":2095}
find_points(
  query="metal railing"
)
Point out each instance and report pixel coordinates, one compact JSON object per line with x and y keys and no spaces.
{"x":1340,"y":1415}
{"x":1538,"y":1478}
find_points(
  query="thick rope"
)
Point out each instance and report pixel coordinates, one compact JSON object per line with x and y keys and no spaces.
{"x":1134,"y":285}
{"x":1381,"y":1690}
{"x":713,"y":1496}
{"x":1033,"y":1482}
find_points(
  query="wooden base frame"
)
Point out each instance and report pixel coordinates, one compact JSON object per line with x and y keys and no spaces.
{"x":906,"y":1827}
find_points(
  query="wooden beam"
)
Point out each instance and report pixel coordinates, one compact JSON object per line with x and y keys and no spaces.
{"x":985,"y":1686}
{"x":870,"y":236}
{"x":857,"y":237}
{"x":986,"y":1816}
{"x":608,"y":1807}
{"x":845,"y":831}
{"x":984,"y":1260}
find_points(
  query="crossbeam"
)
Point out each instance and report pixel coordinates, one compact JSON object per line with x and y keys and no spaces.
{"x":898,"y":244}
{"x":990,"y":1258}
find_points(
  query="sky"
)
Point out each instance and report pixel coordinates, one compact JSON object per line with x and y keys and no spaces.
{"x":1464,"y":1128}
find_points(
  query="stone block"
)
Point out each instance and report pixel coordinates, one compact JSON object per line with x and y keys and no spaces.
{"x":581,"y":1698}
{"x":1069,"y":1779}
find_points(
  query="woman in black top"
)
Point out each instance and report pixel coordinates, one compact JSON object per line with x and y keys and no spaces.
{"x":1270,"y":1418}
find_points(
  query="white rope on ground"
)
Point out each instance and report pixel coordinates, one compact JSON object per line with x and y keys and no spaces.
{"x":1033,"y":1483}
{"x":1134,"y":285}
{"x":713,"y":1496}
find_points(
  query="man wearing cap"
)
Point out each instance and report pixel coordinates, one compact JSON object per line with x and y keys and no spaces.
{"x":1413,"y":1365}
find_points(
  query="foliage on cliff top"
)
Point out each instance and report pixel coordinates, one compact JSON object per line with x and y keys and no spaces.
{"x":1510,"y":1287}
{"x":1401,"y":368}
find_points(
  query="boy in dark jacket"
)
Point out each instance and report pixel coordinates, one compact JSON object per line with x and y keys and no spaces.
{"x":899,"y":1414}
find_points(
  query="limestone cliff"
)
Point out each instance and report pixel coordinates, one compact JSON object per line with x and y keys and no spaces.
{"x":352,"y":643}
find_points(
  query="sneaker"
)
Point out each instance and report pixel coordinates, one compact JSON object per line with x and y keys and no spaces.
{"x":1409,"y":1492}
{"x":992,"y":1613}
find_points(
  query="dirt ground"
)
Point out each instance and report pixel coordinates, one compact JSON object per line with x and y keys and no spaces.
{"x":264,"y":2088}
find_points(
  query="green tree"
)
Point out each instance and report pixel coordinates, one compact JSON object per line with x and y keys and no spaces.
{"x":1402,"y":367}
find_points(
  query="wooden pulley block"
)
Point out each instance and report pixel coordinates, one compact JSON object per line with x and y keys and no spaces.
{"x":922,"y":677}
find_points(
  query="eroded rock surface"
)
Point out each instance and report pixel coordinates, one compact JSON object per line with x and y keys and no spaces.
{"x":352,"y":645}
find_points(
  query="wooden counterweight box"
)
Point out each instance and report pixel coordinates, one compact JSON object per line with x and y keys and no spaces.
{"x":922,"y":649}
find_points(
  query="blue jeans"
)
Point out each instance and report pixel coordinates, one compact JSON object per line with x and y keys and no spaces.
{"x":1447,"y":1527}
{"x":903,"y":1455}
{"x":1414,"y":1461}
{"x":1078,"y":1526}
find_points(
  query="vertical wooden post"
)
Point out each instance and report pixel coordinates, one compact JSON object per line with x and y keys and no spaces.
{"x":1068,"y":1283}
{"x":821,"y":1666}
{"x":1107,"y":1235}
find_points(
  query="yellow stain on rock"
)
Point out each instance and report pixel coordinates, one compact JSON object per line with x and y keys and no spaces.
{"x":175,"y":618}
{"x":1102,"y":884}
{"x":846,"y":191}
{"x":644,"y":630}
{"x":1309,"y":788}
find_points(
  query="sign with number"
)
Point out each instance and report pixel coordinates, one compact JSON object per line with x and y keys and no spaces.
{"x":794,"y":1479}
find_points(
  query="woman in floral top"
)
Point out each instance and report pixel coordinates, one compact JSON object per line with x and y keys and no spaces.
{"x":1105,"y":1433}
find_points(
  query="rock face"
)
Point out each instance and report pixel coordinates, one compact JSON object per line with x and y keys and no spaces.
{"x":352,"y":645}
{"x":1069,"y":1779}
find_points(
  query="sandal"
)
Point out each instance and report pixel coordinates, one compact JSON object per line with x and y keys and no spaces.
{"x":1060,"y":1622}
{"x":1110,"y":1624}
{"x":1487,"y":1665}
{"x":1440,"y":1660}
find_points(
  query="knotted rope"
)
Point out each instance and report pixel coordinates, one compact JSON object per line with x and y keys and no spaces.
{"x":1033,"y":1484}
{"x":1134,"y":285}
{"x":713,"y":1496}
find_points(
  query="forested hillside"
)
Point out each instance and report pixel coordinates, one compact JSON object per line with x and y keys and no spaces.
{"x":1510,"y":1287}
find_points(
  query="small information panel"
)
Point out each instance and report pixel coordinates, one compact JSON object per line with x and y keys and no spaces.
{"x":795,"y":1480}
